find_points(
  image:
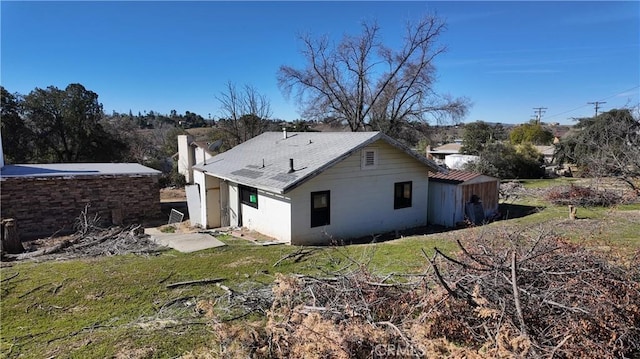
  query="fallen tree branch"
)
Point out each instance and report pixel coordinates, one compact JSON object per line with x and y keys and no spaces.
{"x":9,"y":278}
{"x":516,"y":294}
{"x":192,"y":282}
{"x":167,"y":277}
{"x":299,"y":254}
{"x":33,"y":290}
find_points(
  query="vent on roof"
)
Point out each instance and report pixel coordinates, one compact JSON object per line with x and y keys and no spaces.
{"x":291,"y":170}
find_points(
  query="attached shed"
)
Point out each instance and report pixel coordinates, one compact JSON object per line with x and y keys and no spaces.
{"x":450,"y":194}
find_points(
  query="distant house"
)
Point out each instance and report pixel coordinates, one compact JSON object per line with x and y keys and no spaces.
{"x":309,"y":188}
{"x":451,"y":193}
{"x":547,"y":152}
{"x":438,"y":154}
{"x":191,"y":152}
{"x":449,"y":155}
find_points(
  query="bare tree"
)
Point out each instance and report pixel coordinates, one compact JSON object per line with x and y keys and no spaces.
{"x":245,"y":112}
{"x":367,"y":85}
{"x":606,"y":146}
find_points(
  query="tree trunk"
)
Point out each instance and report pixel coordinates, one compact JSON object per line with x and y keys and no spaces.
{"x":10,"y":239}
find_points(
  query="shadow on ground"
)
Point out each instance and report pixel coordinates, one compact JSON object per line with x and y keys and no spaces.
{"x":511,"y":211}
{"x":506,"y":211}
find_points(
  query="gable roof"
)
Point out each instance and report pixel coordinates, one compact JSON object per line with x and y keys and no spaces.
{"x":456,"y":176}
{"x":263,"y":161}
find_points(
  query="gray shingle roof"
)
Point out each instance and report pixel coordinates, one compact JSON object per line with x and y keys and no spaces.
{"x":75,"y":169}
{"x":263,"y":161}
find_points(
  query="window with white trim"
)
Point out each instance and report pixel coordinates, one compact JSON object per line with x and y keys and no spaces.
{"x":402,"y":193}
{"x":320,"y":208}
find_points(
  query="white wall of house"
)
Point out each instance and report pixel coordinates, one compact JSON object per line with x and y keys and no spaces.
{"x":233,"y":203}
{"x":361,"y":200}
{"x":186,"y":157}
{"x":201,"y":155}
{"x":272,"y":217}
{"x":209,"y":186}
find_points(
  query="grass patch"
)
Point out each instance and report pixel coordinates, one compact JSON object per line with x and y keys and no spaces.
{"x":547,"y":182}
{"x":104,"y":306}
{"x":168,"y":229}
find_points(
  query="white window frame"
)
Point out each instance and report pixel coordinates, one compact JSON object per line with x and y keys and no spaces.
{"x":363,"y":160}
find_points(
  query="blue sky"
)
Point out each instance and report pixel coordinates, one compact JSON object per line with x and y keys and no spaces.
{"x":506,"y":57}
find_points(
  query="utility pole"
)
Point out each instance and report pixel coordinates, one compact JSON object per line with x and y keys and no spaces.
{"x":596,"y":104}
{"x":540,"y":111}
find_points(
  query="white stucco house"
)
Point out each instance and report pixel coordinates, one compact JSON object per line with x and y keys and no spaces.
{"x":309,"y":188}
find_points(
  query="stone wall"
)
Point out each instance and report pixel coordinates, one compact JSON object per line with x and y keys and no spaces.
{"x":44,"y":205}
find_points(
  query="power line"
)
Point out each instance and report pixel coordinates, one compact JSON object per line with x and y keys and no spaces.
{"x":596,"y":104}
{"x":582,"y":106}
{"x":540,"y":111}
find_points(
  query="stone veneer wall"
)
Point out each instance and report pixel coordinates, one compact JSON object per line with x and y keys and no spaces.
{"x":44,"y":205}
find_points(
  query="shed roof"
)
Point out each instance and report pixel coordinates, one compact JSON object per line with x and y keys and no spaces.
{"x":457,"y":176}
{"x":75,"y":169}
{"x":263,"y":161}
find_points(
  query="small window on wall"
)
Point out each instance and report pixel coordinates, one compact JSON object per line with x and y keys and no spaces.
{"x":369,"y":158}
{"x":320,"y":208}
{"x":402,"y":195}
{"x":249,"y":196}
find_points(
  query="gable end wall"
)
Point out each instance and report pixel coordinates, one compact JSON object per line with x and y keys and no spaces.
{"x":362,"y":200}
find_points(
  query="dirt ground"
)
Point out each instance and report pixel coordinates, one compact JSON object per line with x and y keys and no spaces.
{"x":172,"y":195}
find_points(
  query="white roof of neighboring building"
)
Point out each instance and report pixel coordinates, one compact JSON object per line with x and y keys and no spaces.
{"x":546,"y":150}
{"x":75,"y":169}
{"x":263,"y":161}
{"x":449,"y":148}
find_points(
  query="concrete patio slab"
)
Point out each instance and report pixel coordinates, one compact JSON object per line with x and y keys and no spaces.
{"x":184,"y":242}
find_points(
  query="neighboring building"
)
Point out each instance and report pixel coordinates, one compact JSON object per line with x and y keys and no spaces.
{"x":548,"y":152}
{"x":48,"y":198}
{"x":450,"y":194}
{"x":309,"y":188}
{"x":438,"y":154}
{"x":448,"y":155}
{"x":191,"y":152}
{"x":458,"y":162}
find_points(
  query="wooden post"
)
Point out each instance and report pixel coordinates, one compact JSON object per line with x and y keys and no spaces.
{"x":572,"y":211}
{"x":10,"y":239}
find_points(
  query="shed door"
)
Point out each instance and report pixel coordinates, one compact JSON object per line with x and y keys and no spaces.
{"x":213,"y":207}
